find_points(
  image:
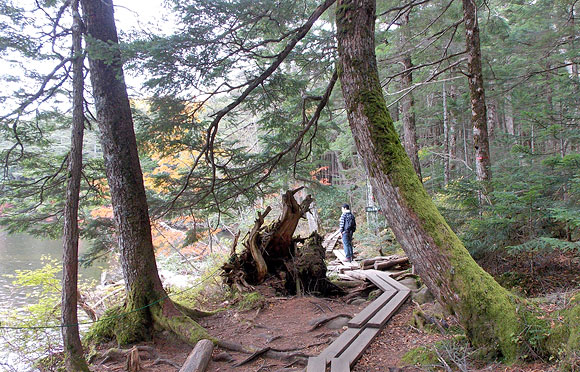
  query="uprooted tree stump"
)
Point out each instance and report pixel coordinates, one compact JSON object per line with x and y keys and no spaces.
{"x":271,"y":251}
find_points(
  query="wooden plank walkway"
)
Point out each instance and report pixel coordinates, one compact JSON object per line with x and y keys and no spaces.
{"x":362,"y":329}
{"x":340,"y":255}
{"x":368,"y":312}
{"x":330,"y":241}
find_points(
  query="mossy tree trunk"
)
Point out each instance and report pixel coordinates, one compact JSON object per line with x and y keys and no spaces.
{"x":142,"y":282}
{"x":492,"y":317}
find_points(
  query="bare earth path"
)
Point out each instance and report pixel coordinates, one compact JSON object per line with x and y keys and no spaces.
{"x":285,"y":324}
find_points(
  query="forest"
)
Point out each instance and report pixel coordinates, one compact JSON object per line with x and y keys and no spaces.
{"x":198,"y":154}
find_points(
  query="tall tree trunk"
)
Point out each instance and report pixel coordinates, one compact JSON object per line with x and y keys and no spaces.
{"x":452,"y":130}
{"x":73,"y":349}
{"x":142,"y":282}
{"x":446,"y":135}
{"x":509,"y":117}
{"x":408,"y":102}
{"x":492,"y":117}
{"x":488,"y":312}
{"x":477,"y":95}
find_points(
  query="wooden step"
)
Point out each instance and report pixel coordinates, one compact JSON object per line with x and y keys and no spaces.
{"x":387,"y":311}
{"x":340,"y":344}
{"x":359,"y":345}
{"x":316,"y":364}
{"x":339,"y":365}
{"x":368,"y":312}
{"x":374,"y":277}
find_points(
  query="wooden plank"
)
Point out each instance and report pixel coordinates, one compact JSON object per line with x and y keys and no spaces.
{"x":341,"y":343}
{"x":387,"y":311}
{"x":356,"y":274}
{"x":368,"y":312}
{"x":339,"y":365}
{"x":374,"y":277}
{"x":343,"y":268}
{"x":395,"y":284}
{"x":358,"y":346}
{"x":331,"y":240}
{"x":316,"y":364}
{"x":340,"y":255}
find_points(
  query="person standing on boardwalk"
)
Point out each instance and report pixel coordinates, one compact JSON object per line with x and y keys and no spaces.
{"x":347,"y":228}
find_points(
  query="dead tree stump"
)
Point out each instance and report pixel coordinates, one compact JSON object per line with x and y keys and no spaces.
{"x":272,"y":251}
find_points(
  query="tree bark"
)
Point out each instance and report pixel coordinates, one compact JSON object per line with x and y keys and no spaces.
{"x":446,"y":140}
{"x":408,"y":103}
{"x":477,"y":95}
{"x":486,"y":310}
{"x":73,"y":349}
{"x":142,"y":283}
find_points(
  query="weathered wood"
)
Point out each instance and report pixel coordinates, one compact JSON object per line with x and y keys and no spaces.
{"x":392,"y":282}
{"x":292,"y":211}
{"x":387,"y":311}
{"x":199,"y":358}
{"x":347,"y":277}
{"x":374,"y":277}
{"x":340,"y":344}
{"x":343,"y":268}
{"x":331,"y":240}
{"x":316,"y":364}
{"x":368,"y":312}
{"x":384,"y":265}
{"x":358,"y":346}
{"x":372,"y":260}
{"x":356,"y":274}
{"x":261,"y":267}
{"x":339,"y":365}
{"x":340,"y":255}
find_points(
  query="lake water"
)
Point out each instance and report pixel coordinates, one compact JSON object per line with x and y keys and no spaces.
{"x":24,"y":252}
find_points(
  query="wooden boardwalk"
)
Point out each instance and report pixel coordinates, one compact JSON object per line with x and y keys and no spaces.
{"x":362,"y":329}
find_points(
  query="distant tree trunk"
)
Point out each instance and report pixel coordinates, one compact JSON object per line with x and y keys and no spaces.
{"x":492,"y":117}
{"x":509,"y":117}
{"x":488,"y":312}
{"x":477,"y":95}
{"x":73,"y":349}
{"x":446,"y":140}
{"x":452,"y":130}
{"x":142,"y":282}
{"x":408,"y":102}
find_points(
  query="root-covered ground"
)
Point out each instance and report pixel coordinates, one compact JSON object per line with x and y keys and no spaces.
{"x":289,"y":324}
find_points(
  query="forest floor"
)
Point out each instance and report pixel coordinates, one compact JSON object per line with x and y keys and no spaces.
{"x":287,"y":324}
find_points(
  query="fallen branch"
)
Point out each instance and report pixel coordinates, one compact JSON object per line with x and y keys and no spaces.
{"x":199,"y":357}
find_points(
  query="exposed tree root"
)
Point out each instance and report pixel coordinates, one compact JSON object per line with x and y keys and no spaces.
{"x":133,"y":354}
{"x":325,"y":320}
{"x":272,"y":252}
{"x":293,"y":357}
